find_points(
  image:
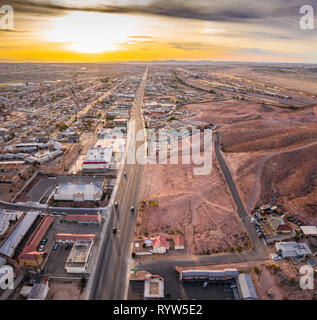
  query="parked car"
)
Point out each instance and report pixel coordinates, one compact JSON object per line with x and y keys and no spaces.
{"x":41,"y":248}
{"x":44,"y":241}
{"x":55,"y":246}
{"x":275,"y":257}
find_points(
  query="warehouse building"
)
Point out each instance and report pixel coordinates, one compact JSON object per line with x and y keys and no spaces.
{"x":246,"y":287}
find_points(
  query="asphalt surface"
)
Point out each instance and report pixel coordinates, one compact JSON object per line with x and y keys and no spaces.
{"x":111,"y":271}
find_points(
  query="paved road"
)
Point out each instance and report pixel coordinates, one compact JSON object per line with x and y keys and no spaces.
{"x":111,"y":271}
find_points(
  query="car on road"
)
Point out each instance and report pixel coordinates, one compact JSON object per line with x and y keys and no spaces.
{"x":132,"y":209}
{"x":41,"y":248}
{"x":275,"y":257}
{"x":114,"y":230}
{"x":55,"y":246}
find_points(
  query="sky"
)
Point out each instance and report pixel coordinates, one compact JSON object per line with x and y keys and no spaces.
{"x":125,"y":30}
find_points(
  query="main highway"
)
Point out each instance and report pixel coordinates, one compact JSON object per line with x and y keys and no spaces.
{"x":110,"y":276}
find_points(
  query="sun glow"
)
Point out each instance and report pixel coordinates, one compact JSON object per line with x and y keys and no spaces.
{"x":91,"y":32}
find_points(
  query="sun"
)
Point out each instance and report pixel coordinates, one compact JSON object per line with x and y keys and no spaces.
{"x":91,"y":32}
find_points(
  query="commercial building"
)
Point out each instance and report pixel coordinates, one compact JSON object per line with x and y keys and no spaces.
{"x":98,"y":159}
{"x":39,"y":291}
{"x":10,"y":244}
{"x":246,"y":288}
{"x":207,"y":274}
{"x":154,"y":288}
{"x":7,"y":218}
{"x":73,"y":237}
{"x":292,"y":249}
{"x":78,"y":259}
{"x":30,"y":256}
{"x":78,"y":192}
{"x":84,"y":218}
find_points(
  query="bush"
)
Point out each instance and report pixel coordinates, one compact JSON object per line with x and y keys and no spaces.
{"x":256,"y":270}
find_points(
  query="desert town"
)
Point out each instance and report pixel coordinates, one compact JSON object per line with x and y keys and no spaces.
{"x":77,"y":222}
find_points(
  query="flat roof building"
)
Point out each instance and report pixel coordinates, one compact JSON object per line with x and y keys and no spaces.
{"x":309,"y":230}
{"x":154,"y":288}
{"x":78,"y":192}
{"x":78,"y":259}
{"x":292,"y":249}
{"x":74,"y":237}
{"x":83,"y":218}
{"x":98,"y":159}
{"x":39,"y":291}
{"x":9,"y":246}
{"x":7,"y":218}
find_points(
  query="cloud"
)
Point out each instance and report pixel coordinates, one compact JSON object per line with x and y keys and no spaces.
{"x":210,"y":10}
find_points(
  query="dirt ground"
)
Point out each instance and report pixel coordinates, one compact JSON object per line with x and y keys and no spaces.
{"x":199,"y":207}
{"x":63,"y":289}
{"x":270,"y":155}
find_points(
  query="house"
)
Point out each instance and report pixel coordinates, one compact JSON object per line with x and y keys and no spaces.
{"x":309,"y":231}
{"x":279,"y":225}
{"x":160,"y":244}
{"x":179,"y":242}
{"x":141,"y":247}
{"x":292,"y":249}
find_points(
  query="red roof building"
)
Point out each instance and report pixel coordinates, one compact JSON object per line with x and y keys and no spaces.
{"x":29,"y":253}
{"x":73,"y":237}
{"x":83,"y":218}
{"x":179,"y":242}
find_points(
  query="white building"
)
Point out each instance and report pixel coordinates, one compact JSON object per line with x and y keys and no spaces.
{"x":154,"y":288}
{"x":39,"y":291}
{"x":98,"y":159}
{"x":246,"y":287}
{"x":78,"y":192}
{"x":78,"y":259}
{"x":292,"y":249}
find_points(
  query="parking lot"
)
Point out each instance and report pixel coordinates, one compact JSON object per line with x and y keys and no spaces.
{"x":185,"y":290}
{"x":46,"y":185}
{"x":55,"y":264}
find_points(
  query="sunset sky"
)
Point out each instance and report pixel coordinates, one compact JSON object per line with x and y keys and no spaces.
{"x":105,"y":30}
